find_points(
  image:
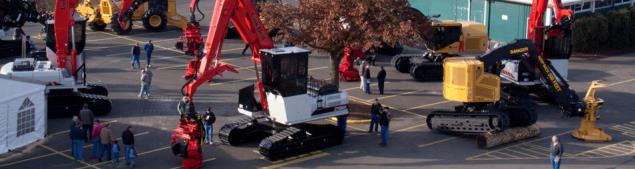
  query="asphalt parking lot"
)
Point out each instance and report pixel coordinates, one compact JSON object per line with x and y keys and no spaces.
{"x":412,"y":144}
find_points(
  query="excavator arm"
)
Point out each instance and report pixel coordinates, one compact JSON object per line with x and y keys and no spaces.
{"x":243,"y":15}
{"x":536,"y":27}
{"x":525,"y":51}
{"x":64,"y":21}
{"x":126,"y":10}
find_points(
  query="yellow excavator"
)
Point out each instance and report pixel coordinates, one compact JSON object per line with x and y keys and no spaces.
{"x":155,"y":14}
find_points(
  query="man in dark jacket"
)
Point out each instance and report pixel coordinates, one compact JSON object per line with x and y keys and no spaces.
{"x":136,"y":51}
{"x":209,"y":118}
{"x":384,"y":122}
{"x":555,"y":153}
{"x":374,"y":116}
{"x":127,"y":138}
{"x":86,"y":117}
{"x":148,"y":48}
{"x":381,"y":77}
{"x":77,"y":142}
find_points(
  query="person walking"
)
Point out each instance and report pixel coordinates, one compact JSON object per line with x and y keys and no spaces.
{"x":115,"y":154}
{"x":148,"y":48}
{"x":374,"y":116}
{"x":136,"y":51}
{"x":145,"y":80}
{"x":127,"y":138}
{"x":87,"y":117}
{"x":555,"y":153}
{"x":381,"y":78}
{"x":74,"y":121}
{"x":209,"y":119}
{"x":77,"y":142}
{"x":106,"y":141}
{"x":384,"y":122}
{"x":96,"y":140}
{"x":367,"y":80}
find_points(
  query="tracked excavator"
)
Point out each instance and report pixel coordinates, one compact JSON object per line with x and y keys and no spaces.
{"x":279,"y":105}
{"x":66,"y":86}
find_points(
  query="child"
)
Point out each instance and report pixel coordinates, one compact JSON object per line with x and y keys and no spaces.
{"x":132,"y":154}
{"x":115,"y":154}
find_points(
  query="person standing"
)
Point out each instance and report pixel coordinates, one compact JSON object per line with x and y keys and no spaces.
{"x":127,"y":138}
{"x":209,"y":119}
{"x":145,"y":80}
{"x":106,"y":141}
{"x":374,"y":116}
{"x":381,"y":78}
{"x":555,"y":153}
{"x":136,"y":51}
{"x":367,"y":79}
{"x":86,"y":117}
{"x":77,"y":142}
{"x":384,"y":122}
{"x":148,"y":48}
{"x":96,"y":140}
{"x":115,"y":153}
{"x":150,"y":75}
{"x":362,"y":80}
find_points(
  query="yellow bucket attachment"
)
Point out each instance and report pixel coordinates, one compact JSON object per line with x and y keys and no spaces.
{"x":588,"y":130}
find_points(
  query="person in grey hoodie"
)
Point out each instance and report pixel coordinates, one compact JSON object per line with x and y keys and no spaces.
{"x":145,"y":81}
{"x":86,"y":117}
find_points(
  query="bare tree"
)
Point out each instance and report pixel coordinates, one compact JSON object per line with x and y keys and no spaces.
{"x":331,"y":25}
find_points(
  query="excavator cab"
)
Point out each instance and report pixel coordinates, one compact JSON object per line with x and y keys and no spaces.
{"x":285,"y":71}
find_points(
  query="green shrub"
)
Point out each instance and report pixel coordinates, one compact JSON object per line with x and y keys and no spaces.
{"x":619,"y":28}
{"x":590,"y":33}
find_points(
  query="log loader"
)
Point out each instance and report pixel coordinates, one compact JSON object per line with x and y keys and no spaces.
{"x":66,"y":86}
{"x":448,"y":39}
{"x":287,"y":98}
{"x":155,"y":15}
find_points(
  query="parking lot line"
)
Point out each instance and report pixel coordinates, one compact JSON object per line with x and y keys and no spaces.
{"x":391,"y":107}
{"x":411,"y":127}
{"x":67,"y":156}
{"x":310,"y":156}
{"x":395,"y":95}
{"x":428,"y":105}
{"x":436,"y":142}
{"x":620,"y":82}
{"x":206,"y":160}
{"x":138,"y":155}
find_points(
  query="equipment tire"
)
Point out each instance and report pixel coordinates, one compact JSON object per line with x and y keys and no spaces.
{"x":402,"y":64}
{"x":154,"y":20}
{"x":118,"y":29}
{"x":97,"y":26}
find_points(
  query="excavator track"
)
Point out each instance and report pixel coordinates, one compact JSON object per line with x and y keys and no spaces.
{"x":427,"y":71}
{"x":244,"y":130}
{"x":463,"y":122}
{"x":62,"y":104}
{"x":299,"y":139}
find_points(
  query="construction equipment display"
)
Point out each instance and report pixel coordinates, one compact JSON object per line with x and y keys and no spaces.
{"x":448,"y":39}
{"x":191,"y":41}
{"x":155,"y":15}
{"x":347,"y":69}
{"x":588,"y":130}
{"x":67,"y":89}
{"x":287,"y":97}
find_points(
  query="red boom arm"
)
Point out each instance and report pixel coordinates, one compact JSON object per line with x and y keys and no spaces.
{"x":63,"y":16}
{"x":536,"y":24}
{"x":247,"y":21}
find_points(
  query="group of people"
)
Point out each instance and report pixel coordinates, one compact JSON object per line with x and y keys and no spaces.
{"x":365,"y":77}
{"x":380,"y":118}
{"x":146,"y":73}
{"x":85,"y":128}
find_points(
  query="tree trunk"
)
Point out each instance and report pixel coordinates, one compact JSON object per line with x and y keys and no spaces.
{"x":336,"y":58}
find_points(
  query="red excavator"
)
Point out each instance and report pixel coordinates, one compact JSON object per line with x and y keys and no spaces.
{"x":347,"y":69}
{"x":191,"y":41}
{"x":287,"y":96}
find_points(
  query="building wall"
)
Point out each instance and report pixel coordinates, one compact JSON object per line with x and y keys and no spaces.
{"x":506,"y":20}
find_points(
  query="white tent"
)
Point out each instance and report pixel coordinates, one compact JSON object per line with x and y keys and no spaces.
{"x":22,"y":113}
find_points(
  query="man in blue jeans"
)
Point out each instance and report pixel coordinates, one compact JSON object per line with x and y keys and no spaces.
{"x":209,"y":118}
{"x":136,"y":51}
{"x":384,"y":122}
{"x":555,"y":153}
{"x":148,"y":48}
{"x":77,"y":144}
{"x":374,"y":116}
{"x":127,"y":138}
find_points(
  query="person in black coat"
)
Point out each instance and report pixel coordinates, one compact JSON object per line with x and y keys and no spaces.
{"x":555,"y":153}
{"x":209,"y":118}
{"x":384,"y":123}
{"x":77,"y":141}
{"x":367,"y":79}
{"x":374,"y":116}
{"x":127,"y":138}
{"x":381,"y":78}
